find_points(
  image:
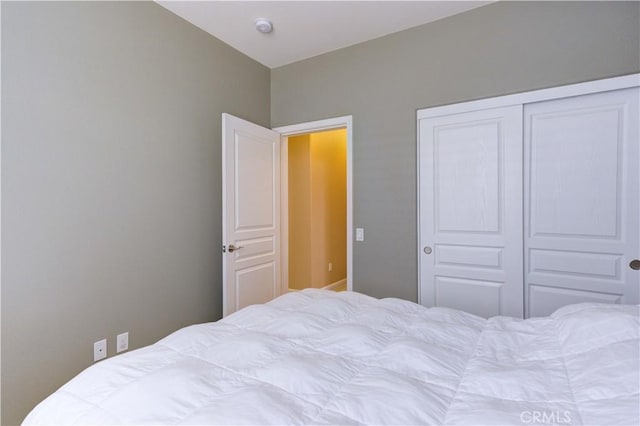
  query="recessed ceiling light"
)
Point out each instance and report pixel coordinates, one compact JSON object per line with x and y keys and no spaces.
{"x":264,"y":25}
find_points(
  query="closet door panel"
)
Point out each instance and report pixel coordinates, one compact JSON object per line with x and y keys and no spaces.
{"x":575,"y":167}
{"x":467,"y":177}
{"x":546,"y":300}
{"x":471,"y":211}
{"x":581,"y":200}
{"x":480,"y":297}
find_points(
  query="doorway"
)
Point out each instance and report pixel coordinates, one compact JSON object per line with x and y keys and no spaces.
{"x":255,"y":233}
{"x":317,"y":210}
{"x":316,"y":247}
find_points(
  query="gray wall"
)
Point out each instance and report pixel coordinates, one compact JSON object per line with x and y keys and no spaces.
{"x":498,"y":49}
{"x":111,"y":186}
{"x":111,"y":150}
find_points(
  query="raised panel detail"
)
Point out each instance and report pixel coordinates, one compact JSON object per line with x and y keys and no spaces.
{"x":599,"y":265}
{"x":251,"y":285}
{"x":576,"y":172}
{"x":468,"y":177}
{"x":544,"y":300}
{"x":254,"y":178}
{"x":469,"y":256}
{"x":483,"y":298}
{"x":254,"y":248}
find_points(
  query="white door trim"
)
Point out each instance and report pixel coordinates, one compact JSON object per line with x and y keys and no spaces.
{"x":345,"y":122}
{"x":604,"y":85}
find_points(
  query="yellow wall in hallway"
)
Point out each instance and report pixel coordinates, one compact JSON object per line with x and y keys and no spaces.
{"x":299,"y":211}
{"x":317,"y":209}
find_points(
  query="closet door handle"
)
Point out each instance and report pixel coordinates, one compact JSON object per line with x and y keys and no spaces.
{"x":233,"y":248}
{"x":427,"y":250}
{"x":635,"y":264}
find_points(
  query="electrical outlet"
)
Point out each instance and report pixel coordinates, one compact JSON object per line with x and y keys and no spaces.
{"x":330,"y":266}
{"x":100,"y":350}
{"x":122,"y":342}
{"x":359,"y":234}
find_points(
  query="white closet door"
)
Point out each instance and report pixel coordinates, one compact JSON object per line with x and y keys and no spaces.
{"x":470,"y":181}
{"x":581,"y":201}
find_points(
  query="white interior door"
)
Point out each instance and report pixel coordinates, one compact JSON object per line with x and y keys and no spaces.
{"x":251,"y":213}
{"x":581,"y":200}
{"x":470,"y":180}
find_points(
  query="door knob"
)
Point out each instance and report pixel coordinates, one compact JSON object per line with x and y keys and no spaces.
{"x":233,"y":248}
{"x":635,"y":264}
{"x":427,"y":250}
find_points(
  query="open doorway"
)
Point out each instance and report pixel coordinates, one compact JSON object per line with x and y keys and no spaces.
{"x":317,"y":210}
{"x":255,"y":210}
{"x":321,"y":131}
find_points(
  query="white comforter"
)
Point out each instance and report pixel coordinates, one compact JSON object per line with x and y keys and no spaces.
{"x":318,"y":357}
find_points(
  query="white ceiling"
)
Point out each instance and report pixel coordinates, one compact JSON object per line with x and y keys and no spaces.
{"x":303,"y":29}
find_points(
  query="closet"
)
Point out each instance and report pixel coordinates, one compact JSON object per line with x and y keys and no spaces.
{"x":530,"y":202}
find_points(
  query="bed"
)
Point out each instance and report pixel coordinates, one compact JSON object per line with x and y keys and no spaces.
{"x":319,"y":357}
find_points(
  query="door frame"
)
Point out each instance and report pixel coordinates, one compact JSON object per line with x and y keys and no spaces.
{"x":595,"y":86}
{"x":345,"y":122}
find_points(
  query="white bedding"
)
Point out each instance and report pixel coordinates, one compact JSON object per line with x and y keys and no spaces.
{"x":318,"y":357}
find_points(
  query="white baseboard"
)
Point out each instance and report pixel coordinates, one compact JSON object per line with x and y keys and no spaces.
{"x":335,"y":285}
{"x":331,"y":286}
